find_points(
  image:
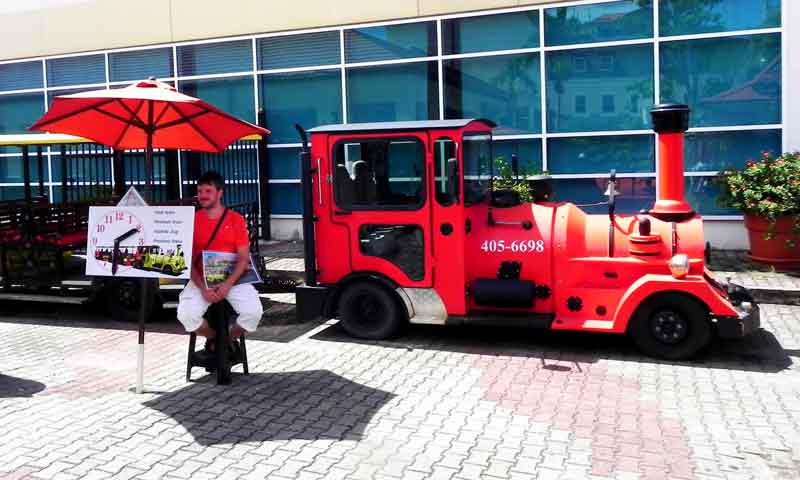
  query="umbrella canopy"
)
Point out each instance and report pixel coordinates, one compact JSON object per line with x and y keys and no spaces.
{"x":147,"y":114}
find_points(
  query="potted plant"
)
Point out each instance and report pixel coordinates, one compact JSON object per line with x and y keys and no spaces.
{"x":527,"y":184}
{"x":768,"y":193}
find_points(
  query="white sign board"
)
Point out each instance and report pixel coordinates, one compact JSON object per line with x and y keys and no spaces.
{"x":159,"y":245}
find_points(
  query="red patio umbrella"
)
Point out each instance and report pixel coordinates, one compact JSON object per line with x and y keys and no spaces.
{"x":148,"y":114}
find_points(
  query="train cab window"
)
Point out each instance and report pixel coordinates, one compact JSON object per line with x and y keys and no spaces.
{"x":379,"y":174}
{"x":445,"y":165}
{"x":477,"y":167}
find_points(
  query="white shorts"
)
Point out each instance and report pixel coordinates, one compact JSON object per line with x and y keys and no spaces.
{"x":243,"y":298}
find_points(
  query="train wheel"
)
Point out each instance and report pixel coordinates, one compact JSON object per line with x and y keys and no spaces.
{"x":671,"y":326}
{"x":124,"y":296}
{"x":369,"y":311}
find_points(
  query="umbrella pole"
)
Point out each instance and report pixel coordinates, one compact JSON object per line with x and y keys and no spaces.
{"x":144,"y":283}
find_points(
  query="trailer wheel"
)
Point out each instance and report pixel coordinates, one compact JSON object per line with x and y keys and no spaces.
{"x":369,"y":311}
{"x":671,"y":326}
{"x":124,"y":297}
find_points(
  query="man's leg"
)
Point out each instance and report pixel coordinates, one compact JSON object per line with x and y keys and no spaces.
{"x":244,"y":299}
{"x":191,"y":307}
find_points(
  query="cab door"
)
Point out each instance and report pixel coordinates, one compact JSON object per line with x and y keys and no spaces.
{"x":381,"y":195}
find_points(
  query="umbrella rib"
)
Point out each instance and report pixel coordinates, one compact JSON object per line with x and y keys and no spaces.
{"x":128,"y":125}
{"x":69,"y":114}
{"x":196,"y":129}
{"x":134,"y":114}
{"x":160,"y":115}
{"x":184,"y":119}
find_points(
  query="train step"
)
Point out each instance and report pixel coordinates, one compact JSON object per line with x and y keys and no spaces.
{"x":500,"y":319}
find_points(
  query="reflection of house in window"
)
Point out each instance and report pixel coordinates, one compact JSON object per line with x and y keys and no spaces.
{"x":608,"y":104}
{"x":605,"y":63}
{"x":580,"y":103}
{"x":759,"y":94}
{"x":633,"y":106}
{"x":579,"y":64}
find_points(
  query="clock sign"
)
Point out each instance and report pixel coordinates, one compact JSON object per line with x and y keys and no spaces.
{"x":142,"y":242}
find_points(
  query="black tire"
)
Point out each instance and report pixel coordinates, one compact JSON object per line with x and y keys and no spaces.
{"x":369,"y":311}
{"x":124,"y":295}
{"x":671,"y":326}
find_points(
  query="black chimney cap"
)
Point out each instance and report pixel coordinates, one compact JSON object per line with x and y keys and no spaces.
{"x":670,"y":118}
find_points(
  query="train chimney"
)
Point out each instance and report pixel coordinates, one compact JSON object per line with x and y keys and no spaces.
{"x":670,"y":121}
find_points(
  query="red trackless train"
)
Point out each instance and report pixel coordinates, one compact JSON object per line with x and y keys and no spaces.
{"x":402,"y":224}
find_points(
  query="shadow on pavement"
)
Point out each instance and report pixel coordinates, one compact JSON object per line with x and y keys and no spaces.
{"x":760,"y":352}
{"x":15,"y":387}
{"x":302,"y":405}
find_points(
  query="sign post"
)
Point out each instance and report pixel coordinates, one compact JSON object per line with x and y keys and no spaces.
{"x":140,"y":242}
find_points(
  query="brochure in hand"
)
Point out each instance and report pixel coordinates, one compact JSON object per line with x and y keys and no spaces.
{"x":217,"y":266}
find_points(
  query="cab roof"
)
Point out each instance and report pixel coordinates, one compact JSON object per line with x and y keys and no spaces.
{"x":399,"y":126}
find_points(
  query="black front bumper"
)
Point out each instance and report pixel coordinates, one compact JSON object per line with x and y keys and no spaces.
{"x":748,"y":318}
{"x":310,"y":303}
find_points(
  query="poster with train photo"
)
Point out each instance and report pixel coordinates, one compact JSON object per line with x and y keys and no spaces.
{"x":152,"y":242}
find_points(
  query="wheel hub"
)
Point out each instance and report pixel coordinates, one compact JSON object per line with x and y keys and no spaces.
{"x":669,"y":327}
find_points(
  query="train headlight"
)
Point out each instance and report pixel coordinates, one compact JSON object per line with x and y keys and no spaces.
{"x":679,"y":265}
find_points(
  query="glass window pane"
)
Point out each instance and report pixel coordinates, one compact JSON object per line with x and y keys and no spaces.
{"x":18,"y":112}
{"x":285,"y":199}
{"x":702,"y":194}
{"x":140,"y":64}
{"x":284,"y":163}
{"x":701,"y":74}
{"x":528,"y":152}
{"x":51,"y":94}
{"x":679,"y":17}
{"x":233,"y":95}
{"x":379,"y":174}
{"x":11,"y":169}
{"x":613,"y":92}
{"x":307,"y":50}
{"x":401,"y":245}
{"x":504,"y":89}
{"x":17,"y":76}
{"x":393,"y":92}
{"x":444,"y":158}
{"x":390,"y":42}
{"x":12,"y":193}
{"x":491,"y":32}
{"x":307,"y":98}
{"x":224,"y":57}
{"x":635,"y":193}
{"x":76,"y":70}
{"x":629,"y":154}
{"x":714,"y":151}
{"x":602,"y":22}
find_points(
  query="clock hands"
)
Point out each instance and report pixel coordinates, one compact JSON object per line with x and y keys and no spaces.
{"x":115,"y":253}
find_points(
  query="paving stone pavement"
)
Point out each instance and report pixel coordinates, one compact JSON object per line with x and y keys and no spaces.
{"x":450,"y":403}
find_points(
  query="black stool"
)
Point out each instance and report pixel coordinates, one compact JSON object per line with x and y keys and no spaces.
{"x":219,"y":315}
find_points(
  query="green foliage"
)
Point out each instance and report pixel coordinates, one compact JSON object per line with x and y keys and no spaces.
{"x":768,"y":188}
{"x":504,"y":179}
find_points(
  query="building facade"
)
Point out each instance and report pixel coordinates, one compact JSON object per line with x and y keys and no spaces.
{"x":570,"y":84}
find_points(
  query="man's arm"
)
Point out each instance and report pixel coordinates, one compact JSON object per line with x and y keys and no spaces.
{"x":242,"y":264}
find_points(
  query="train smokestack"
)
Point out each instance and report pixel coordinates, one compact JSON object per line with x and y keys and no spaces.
{"x":670,"y":122}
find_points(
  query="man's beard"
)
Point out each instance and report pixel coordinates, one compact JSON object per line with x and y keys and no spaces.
{"x":211,"y":204}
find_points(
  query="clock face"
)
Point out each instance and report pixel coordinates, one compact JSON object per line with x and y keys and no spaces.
{"x":108,"y":227}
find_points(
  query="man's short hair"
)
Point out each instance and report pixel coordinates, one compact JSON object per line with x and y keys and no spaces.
{"x":211,"y":178}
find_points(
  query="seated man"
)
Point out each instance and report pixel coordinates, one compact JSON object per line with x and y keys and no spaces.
{"x":218,"y":229}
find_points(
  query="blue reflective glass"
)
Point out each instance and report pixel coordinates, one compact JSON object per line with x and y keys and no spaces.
{"x":714,"y":151}
{"x":390,"y":42}
{"x":12,"y":171}
{"x":491,"y":32}
{"x":720,"y":90}
{"x":76,"y":70}
{"x":602,"y":22}
{"x":284,"y":163}
{"x":18,"y":76}
{"x":599,"y":89}
{"x":11,"y":193}
{"x":307,"y":98}
{"x":285,"y":199}
{"x":503,"y":88}
{"x":635,"y":193}
{"x":628,"y":154}
{"x":393,"y":92}
{"x":682,"y":17}
{"x":702,"y":194}
{"x":528,"y":152}
{"x":18,"y":112}
{"x":233,"y":95}
{"x":140,"y":64}
{"x":51,"y":94}
{"x":223,"y":57}
{"x":306,"y":50}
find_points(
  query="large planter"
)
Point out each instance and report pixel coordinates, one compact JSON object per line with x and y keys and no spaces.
{"x":775,"y":251}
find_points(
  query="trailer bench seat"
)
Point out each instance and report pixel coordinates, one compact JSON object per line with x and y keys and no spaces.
{"x":64,"y":240}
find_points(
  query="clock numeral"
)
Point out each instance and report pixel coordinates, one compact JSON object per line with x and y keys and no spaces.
{"x":130,"y":219}
{"x":101,"y":228}
{"x":141,"y":241}
{"x":94,"y":240}
{"x":109,"y":219}
{"x":120,"y":216}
